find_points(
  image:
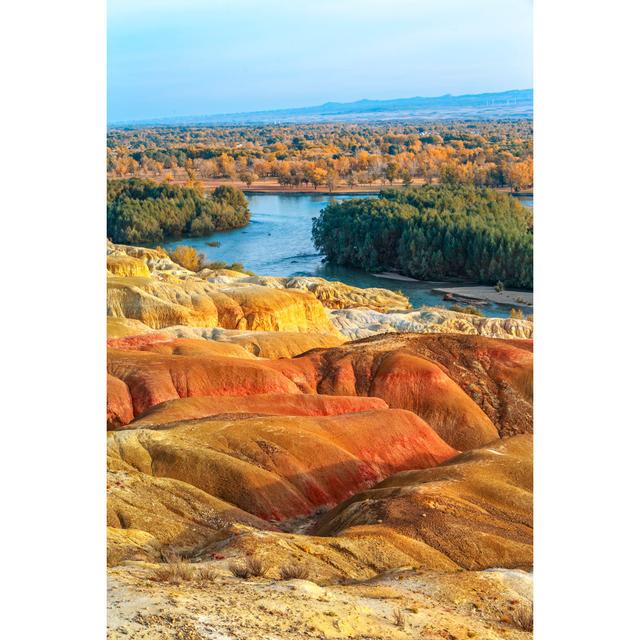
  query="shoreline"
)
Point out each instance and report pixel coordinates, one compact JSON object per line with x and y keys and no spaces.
{"x":299,"y":191}
{"x":468,"y":293}
{"x":485,"y":293}
{"x":390,"y":275}
{"x":272,"y":187}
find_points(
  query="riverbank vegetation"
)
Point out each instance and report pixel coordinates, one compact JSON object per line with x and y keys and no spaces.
{"x":143,"y":211}
{"x":432,"y":233}
{"x":331,"y":156}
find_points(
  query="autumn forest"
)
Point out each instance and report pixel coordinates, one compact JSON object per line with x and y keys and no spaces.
{"x":330,"y":157}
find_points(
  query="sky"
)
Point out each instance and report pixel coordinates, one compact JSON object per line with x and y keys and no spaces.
{"x":198,"y":57}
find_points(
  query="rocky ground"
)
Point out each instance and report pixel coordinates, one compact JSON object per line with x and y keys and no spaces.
{"x":291,"y":458}
{"x":396,"y":605}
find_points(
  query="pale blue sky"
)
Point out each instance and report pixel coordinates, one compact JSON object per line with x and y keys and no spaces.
{"x":195,"y":57}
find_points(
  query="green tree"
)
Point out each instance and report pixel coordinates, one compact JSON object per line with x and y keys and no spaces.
{"x":432,"y":232}
{"x":141,"y":211}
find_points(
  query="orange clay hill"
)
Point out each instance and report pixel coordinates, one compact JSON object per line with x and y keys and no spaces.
{"x":279,"y":467}
{"x":283,"y":404}
{"x":470,"y":389}
{"x":244,"y":427}
{"x":476,"y":508}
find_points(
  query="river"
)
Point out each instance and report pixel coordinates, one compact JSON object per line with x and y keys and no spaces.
{"x":278,"y":242}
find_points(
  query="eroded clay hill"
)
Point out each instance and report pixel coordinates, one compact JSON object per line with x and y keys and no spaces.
{"x":243,"y":423}
{"x":151,"y":378}
{"x":264,"y":344}
{"x":279,"y":467}
{"x":470,"y":389}
{"x":145,"y":287}
{"x":262,"y":404}
{"x":475,"y":509}
{"x":357,"y":323}
{"x":472,"y":512}
{"x":195,"y":302}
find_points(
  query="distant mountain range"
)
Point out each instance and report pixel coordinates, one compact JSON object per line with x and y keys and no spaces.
{"x":483,"y":106}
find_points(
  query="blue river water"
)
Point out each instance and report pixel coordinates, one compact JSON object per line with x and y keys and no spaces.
{"x":278,"y":242}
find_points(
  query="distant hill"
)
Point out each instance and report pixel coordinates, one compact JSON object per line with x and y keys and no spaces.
{"x":483,"y":106}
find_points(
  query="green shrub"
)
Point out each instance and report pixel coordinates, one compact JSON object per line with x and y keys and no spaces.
{"x":463,"y":308}
{"x":216,"y":264}
{"x":234,"y":266}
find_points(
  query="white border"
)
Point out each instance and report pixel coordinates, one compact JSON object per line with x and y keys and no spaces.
{"x":586,"y":237}
{"x":53,"y":196}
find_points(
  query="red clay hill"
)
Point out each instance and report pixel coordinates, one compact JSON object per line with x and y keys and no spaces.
{"x":469,"y":389}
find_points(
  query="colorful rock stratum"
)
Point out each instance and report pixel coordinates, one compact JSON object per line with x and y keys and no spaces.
{"x":297,"y":458}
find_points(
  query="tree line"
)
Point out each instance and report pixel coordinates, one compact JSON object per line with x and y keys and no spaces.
{"x":491,"y":154}
{"x":143,"y":211}
{"x":432,"y":233}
